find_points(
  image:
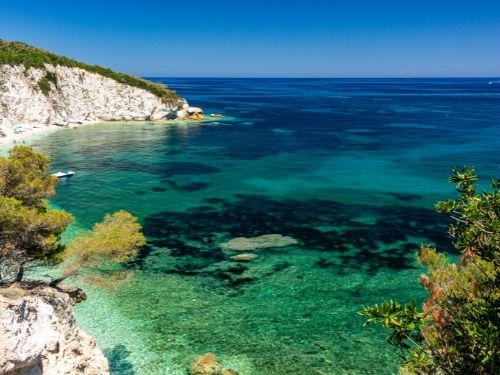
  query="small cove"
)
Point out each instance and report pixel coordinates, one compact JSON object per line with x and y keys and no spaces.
{"x":351,"y":174}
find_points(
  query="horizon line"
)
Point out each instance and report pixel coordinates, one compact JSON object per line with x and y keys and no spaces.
{"x":364,"y":77}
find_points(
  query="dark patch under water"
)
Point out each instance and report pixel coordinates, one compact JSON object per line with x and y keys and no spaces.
{"x":118,"y":363}
{"x":405,"y":197}
{"x":192,"y":186}
{"x":193,"y":237}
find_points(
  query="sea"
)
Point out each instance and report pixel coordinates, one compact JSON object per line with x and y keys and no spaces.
{"x":349,"y":168}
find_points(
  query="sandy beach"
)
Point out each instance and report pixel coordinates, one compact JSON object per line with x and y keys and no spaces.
{"x":31,"y":133}
{"x":27,"y":136}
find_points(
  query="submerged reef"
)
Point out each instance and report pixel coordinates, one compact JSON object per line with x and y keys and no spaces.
{"x":209,"y":364}
{"x":256,"y":243}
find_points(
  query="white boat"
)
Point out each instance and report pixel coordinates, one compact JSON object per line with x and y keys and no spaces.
{"x":61,"y":174}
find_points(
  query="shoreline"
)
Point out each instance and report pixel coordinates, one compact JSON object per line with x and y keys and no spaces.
{"x":34,"y":132}
{"x":31,"y":133}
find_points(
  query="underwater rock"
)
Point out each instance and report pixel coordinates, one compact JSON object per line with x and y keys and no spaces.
{"x":324,"y":263}
{"x":244,"y":257}
{"x":209,"y":364}
{"x":281,"y":266}
{"x":232,"y":274}
{"x":226,"y":273}
{"x":260,"y":242}
{"x":236,"y":281}
{"x":225,"y":267}
{"x":206,"y":364}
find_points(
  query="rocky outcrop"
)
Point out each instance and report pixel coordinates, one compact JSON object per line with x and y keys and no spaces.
{"x":189,"y":113}
{"x":62,"y":95}
{"x":39,"y":336}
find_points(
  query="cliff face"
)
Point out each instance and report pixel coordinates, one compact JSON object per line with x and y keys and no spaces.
{"x":62,"y":95}
{"x":39,"y":336}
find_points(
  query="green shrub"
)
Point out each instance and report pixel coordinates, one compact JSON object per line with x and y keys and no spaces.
{"x":30,"y":230}
{"x":44,"y":83}
{"x":51,"y":77}
{"x":457,"y":330}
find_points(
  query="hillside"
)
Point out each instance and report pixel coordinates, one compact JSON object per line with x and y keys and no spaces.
{"x":41,"y":88}
{"x":17,"y":53}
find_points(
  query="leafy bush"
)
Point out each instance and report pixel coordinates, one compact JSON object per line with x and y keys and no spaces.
{"x":17,"y":53}
{"x":30,"y":229}
{"x":457,"y":331}
{"x":44,"y":83}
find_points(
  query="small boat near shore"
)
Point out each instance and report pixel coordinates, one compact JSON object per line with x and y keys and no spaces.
{"x":62,"y":174}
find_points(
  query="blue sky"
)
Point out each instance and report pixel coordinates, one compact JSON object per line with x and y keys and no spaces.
{"x":272,"y":38}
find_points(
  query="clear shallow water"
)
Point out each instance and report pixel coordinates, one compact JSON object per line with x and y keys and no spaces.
{"x":349,"y":168}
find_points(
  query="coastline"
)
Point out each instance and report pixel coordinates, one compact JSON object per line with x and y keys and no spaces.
{"x":305,"y":178}
{"x":32,"y":133}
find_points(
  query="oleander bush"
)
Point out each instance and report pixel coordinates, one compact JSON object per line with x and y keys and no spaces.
{"x":457,"y":331}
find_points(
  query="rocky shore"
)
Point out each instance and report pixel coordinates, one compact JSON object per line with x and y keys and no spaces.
{"x":41,"y":92}
{"x":39,"y":335}
{"x":73,"y":95}
{"x":31,"y":103}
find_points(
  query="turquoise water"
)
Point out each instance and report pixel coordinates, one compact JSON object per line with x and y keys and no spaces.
{"x":349,"y":168}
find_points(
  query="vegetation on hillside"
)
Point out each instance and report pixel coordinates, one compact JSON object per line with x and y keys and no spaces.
{"x":30,"y":229}
{"x":457,"y":331}
{"x":44,"y":83}
{"x":17,"y":53}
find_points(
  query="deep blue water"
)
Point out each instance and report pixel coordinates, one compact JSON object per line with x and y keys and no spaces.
{"x":350,"y":168}
{"x":426,"y":124}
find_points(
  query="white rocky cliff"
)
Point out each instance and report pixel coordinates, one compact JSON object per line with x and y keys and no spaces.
{"x":38,"y":335}
{"x":75,"y":95}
